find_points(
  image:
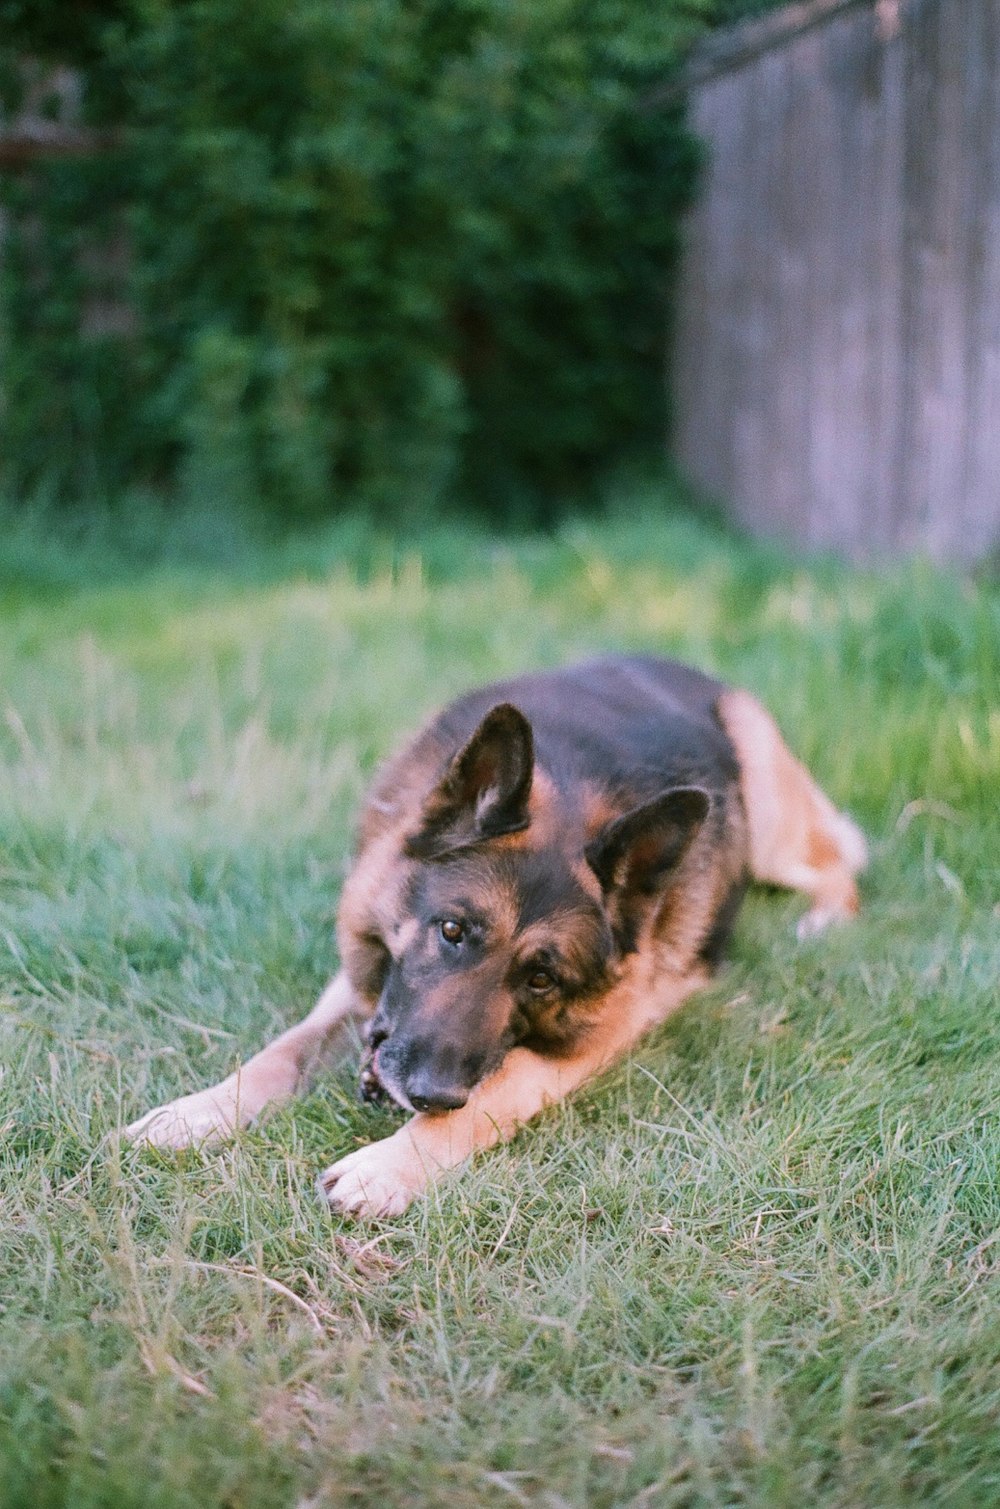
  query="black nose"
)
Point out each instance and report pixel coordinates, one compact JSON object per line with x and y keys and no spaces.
{"x":424,"y":1096}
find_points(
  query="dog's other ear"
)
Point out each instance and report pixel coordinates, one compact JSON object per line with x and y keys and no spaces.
{"x":633,"y":855}
{"x":484,"y":791}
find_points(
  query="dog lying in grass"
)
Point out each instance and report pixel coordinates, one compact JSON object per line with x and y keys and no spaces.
{"x":544,"y":873}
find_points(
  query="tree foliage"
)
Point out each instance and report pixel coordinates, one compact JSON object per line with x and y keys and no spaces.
{"x":395,"y":249}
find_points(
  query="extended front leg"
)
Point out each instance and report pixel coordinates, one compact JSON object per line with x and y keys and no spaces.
{"x":283,"y":1069}
{"x":383,"y":1178}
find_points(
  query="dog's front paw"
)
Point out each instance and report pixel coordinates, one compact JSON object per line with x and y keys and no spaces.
{"x":193,"y":1120}
{"x":379,"y":1180}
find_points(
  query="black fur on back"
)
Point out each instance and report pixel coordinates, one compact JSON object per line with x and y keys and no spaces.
{"x":633,"y":724}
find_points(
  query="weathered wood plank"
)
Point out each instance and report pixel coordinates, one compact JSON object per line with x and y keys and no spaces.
{"x":837,"y":351}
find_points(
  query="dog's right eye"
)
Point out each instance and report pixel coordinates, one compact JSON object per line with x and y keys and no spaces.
{"x":451,"y":931}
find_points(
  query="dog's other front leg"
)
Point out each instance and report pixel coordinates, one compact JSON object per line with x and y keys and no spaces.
{"x":283,"y":1069}
{"x":383,"y":1178}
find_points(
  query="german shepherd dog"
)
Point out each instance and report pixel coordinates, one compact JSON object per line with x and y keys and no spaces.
{"x":547,"y":870}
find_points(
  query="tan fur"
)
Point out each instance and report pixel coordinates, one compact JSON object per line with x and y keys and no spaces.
{"x":543,"y":807}
{"x":403,"y":936}
{"x":706,"y":874}
{"x":797,"y":838}
{"x":275,"y":1074}
{"x":597,"y":807}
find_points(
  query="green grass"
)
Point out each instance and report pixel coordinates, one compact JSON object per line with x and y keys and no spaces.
{"x":757,"y":1264}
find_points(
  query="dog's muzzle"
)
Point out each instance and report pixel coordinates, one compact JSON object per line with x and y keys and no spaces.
{"x":416,"y":1090}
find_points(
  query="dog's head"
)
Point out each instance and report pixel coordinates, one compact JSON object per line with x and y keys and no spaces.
{"x":510,"y":925}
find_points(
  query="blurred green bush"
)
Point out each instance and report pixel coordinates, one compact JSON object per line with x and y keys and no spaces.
{"x":389,"y":250}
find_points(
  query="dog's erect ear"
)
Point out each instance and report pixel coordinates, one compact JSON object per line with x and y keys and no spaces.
{"x":633,"y":855}
{"x":484,"y":791}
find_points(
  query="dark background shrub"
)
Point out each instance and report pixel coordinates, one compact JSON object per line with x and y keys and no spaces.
{"x":400,"y":251}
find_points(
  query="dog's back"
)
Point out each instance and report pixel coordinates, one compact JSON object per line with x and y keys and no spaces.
{"x":634,"y":721}
{"x":627,"y":726}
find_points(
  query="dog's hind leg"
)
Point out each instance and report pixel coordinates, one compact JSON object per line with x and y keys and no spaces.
{"x":283,"y":1069}
{"x":797,"y":837}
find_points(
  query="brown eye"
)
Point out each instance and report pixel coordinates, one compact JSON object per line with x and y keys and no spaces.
{"x":540,"y":982}
{"x":452,"y":931}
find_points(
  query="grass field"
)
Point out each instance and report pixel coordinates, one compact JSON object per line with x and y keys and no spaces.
{"x":755,"y":1265}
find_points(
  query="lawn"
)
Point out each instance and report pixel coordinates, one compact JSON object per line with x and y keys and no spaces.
{"x":757,"y":1264}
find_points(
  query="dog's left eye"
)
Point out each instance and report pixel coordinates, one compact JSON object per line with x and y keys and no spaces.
{"x":451,"y":931}
{"x":540,"y":982}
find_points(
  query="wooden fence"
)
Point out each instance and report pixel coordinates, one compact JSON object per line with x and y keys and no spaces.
{"x":836,"y":354}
